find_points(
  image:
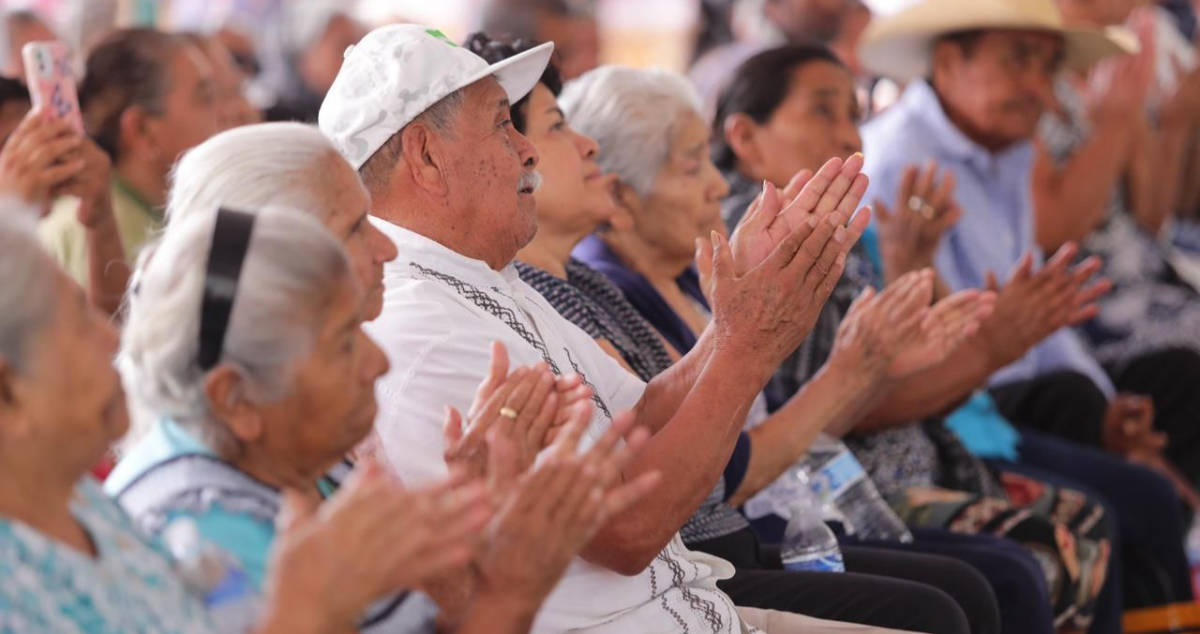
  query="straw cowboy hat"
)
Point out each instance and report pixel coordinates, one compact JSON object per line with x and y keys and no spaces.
{"x":901,"y":45}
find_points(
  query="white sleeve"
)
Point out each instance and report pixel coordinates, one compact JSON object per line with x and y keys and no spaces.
{"x":428,"y":374}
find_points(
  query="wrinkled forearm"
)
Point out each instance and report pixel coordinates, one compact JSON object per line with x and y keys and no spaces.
{"x":832,"y":402}
{"x":691,"y":448}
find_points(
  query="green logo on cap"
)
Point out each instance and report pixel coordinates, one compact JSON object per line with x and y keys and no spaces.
{"x":441,"y":36}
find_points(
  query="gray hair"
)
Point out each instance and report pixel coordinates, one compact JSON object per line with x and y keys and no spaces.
{"x":27,"y":295}
{"x":377,"y":170}
{"x":632,"y":114}
{"x":512,"y":19}
{"x":254,"y":166}
{"x":292,"y":269}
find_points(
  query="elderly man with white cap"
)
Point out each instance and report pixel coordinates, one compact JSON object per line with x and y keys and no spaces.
{"x":427,"y":124}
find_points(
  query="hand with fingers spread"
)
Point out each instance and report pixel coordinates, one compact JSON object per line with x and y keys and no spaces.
{"x":548,"y":514}
{"x":1034,"y":305}
{"x":910,"y":233}
{"x":525,"y":405}
{"x":833,"y":191}
{"x":373,"y":539}
{"x":38,"y":158}
{"x":772,"y":306}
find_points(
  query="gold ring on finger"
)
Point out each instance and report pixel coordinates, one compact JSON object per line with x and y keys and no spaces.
{"x":508,"y":412}
{"x":916,"y":204}
{"x":928,"y":211}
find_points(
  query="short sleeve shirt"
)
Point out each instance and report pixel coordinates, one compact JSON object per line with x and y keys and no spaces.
{"x":442,"y":310}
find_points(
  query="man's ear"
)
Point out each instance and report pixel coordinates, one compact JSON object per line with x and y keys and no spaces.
{"x":226,"y":391}
{"x":740,"y":134}
{"x":424,"y":154}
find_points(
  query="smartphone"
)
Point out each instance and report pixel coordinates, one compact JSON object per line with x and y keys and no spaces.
{"x":51,"y":82}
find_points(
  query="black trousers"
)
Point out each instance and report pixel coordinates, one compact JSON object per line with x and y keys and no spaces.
{"x":907,"y":591}
{"x":1068,"y":405}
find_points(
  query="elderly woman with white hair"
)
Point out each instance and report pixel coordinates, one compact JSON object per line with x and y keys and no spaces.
{"x":71,"y":560}
{"x":293,"y":165}
{"x":251,"y":374}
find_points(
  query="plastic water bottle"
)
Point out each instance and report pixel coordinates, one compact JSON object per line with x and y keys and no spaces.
{"x":808,"y":544}
{"x":839,"y":481}
{"x":214,"y":576}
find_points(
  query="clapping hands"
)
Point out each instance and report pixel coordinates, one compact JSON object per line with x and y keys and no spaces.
{"x":895,"y":334}
{"x":770,"y":280}
{"x":925,"y":209}
{"x":1032,"y":305}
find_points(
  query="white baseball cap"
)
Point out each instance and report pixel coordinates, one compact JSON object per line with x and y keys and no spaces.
{"x":398,"y":71}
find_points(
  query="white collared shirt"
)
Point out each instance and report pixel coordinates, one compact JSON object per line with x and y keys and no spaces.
{"x":441,"y":312}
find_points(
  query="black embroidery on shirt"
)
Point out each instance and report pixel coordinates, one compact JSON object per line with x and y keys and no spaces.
{"x":595,"y":393}
{"x":506,"y":315}
{"x":663,"y":599}
{"x":698,"y":604}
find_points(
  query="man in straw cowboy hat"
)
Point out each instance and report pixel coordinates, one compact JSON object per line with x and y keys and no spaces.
{"x":980,"y":78}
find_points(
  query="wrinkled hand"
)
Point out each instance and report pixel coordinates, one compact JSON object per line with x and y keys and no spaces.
{"x":946,"y":327}
{"x":1129,"y":427}
{"x":554,"y":510}
{"x":91,"y":184}
{"x":541,"y":400}
{"x":834,"y":190}
{"x":925,"y":209}
{"x":1034,"y":305}
{"x":771,"y":306}
{"x":38,"y":158}
{"x":372,"y":539}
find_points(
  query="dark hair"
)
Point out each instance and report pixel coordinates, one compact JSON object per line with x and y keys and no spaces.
{"x":127,"y":68}
{"x":493,"y":50}
{"x":757,"y":88}
{"x":13,"y":90}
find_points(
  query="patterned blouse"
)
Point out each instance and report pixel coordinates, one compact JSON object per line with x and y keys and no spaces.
{"x":131,"y":587}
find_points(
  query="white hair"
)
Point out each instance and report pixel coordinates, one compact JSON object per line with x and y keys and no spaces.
{"x":253,"y":166}
{"x":632,"y":114}
{"x":27,"y":294}
{"x":292,"y":269}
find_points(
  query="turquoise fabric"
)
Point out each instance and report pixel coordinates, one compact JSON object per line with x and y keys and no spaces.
{"x":131,"y":587}
{"x":984,"y":431}
{"x":245,"y":538}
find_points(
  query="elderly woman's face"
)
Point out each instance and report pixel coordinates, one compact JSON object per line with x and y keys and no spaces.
{"x":574,"y":193}
{"x":330,"y":404}
{"x":69,"y":395}
{"x":817,"y":121}
{"x":685,"y":202}
{"x":366,"y":246}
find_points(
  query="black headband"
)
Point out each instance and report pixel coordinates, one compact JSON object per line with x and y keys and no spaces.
{"x":230,"y":242}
